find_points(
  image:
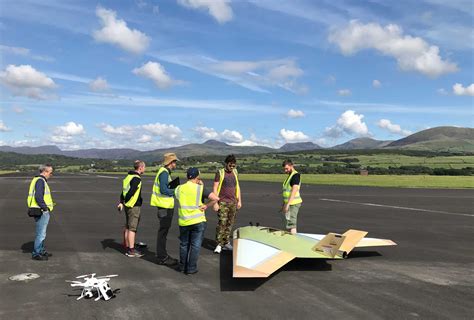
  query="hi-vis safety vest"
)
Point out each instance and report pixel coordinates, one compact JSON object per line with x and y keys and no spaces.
{"x":287,"y":190}
{"x":221,"y":179}
{"x":158,"y":199}
{"x":47,"y":198}
{"x":189,"y":196}
{"x":126,"y":187}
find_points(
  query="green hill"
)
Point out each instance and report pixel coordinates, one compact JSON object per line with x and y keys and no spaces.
{"x":450,"y":139}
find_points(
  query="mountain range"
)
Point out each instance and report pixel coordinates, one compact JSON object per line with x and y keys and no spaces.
{"x":450,"y":139}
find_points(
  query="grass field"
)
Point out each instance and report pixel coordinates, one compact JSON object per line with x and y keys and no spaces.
{"x":399,"y":181}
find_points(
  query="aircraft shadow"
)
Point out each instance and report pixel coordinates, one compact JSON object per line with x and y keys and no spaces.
{"x":228,"y":283}
{"x":363,"y":254}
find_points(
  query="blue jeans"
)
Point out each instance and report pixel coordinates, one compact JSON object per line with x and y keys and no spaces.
{"x":191,"y":240}
{"x":41,"y":225}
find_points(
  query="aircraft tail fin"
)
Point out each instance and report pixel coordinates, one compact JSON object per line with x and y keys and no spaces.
{"x":330,"y":244}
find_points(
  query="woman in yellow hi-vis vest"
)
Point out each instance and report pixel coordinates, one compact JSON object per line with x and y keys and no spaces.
{"x":39,"y":197}
{"x":291,"y":196}
{"x":192,"y":219}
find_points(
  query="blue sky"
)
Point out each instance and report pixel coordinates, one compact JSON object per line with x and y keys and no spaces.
{"x":148,"y":74}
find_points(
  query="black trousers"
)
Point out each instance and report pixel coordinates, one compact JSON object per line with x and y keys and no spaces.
{"x":165,"y":217}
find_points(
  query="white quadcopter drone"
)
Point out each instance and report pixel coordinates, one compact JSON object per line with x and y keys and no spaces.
{"x":91,"y":285}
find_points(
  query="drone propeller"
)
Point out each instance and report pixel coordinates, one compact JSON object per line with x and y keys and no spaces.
{"x":73,"y":281}
{"x":92,"y":275}
{"x":109,"y":276}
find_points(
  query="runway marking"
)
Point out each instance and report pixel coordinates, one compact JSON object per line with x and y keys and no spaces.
{"x":107,"y":177}
{"x":398,"y":207}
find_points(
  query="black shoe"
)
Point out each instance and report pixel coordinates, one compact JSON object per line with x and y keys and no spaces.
{"x":168,"y":261}
{"x":193,"y":272}
{"x":40,"y":258}
{"x":47,"y":254}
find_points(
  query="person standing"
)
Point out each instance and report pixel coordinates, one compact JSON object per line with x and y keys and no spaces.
{"x":192,"y":219}
{"x":291,"y":196}
{"x":162,"y":198}
{"x":227,"y":188}
{"x":131,"y":200}
{"x":39,"y":197}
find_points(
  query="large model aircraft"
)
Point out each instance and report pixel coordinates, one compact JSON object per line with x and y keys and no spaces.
{"x":260,"y":251}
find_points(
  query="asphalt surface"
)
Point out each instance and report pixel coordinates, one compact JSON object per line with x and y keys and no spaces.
{"x":429,"y":275}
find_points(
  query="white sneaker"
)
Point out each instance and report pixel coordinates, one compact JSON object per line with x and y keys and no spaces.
{"x":228,"y":247}
{"x":218,"y":249}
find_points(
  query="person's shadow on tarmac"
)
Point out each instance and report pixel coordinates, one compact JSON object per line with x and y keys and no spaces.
{"x":148,"y":255}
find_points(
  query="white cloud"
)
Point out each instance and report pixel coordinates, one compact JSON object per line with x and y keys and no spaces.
{"x":442,"y":91}
{"x":18,"y":109}
{"x":376,"y":83}
{"x":252,"y":75}
{"x":115,"y":31}
{"x":163,"y":130}
{"x":231,"y":136}
{"x":24,"y":80}
{"x":219,"y":9}
{"x":392,"y":128}
{"x":411,"y":53}
{"x":25,"y":52}
{"x":331,"y":79}
{"x":157,"y":73}
{"x":460,"y":90}
{"x":99,"y":84}
{"x":350,"y":123}
{"x":65,"y":134}
{"x":124,"y":131}
{"x":293,"y":136}
{"x":295,"y":113}
{"x":206,"y":133}
{"x":344,"y":92}
{"x":3,"y":127}
{"x":145,"y":138}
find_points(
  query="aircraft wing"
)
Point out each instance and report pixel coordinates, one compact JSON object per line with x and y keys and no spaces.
{"x":253,"y":259}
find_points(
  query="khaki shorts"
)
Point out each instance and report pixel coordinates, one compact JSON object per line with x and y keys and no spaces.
{"x":291,"y":216}
{"x":132,"y":216}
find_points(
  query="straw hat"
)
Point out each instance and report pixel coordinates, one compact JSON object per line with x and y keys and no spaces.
{"x":168,"y":158}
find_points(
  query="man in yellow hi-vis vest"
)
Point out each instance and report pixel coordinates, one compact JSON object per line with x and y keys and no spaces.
{"x":162,"y":198}
{"x":131,"y":200}
{"x":40,"y":199}
{"x":192,"y":219}
{"x":227,"y":188}
{"x":291,"y":196}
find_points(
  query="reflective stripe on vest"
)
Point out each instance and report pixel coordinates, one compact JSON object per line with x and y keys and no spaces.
{"x":189,"y":196}
{"x":287,"y":190}
{"x":126,"y":187}
{"x":221,"y":179}
{"x":158,"y":199}
{"x":47,"y":198}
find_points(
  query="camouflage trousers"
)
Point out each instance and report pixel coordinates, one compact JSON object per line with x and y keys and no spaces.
{"x":226,"y":216}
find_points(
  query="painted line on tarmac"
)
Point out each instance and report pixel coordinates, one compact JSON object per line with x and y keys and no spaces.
{"x":107,"y":177}
{"x":398,"y":207}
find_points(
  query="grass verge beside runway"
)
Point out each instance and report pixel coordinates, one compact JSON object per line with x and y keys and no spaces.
{"x":399,"y":181}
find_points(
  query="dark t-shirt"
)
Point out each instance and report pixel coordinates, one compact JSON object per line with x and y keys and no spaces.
{"x":227,"y":193}
{"x":295,"y":179}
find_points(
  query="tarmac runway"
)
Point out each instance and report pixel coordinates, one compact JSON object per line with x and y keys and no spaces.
{"x":429,"y":275}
